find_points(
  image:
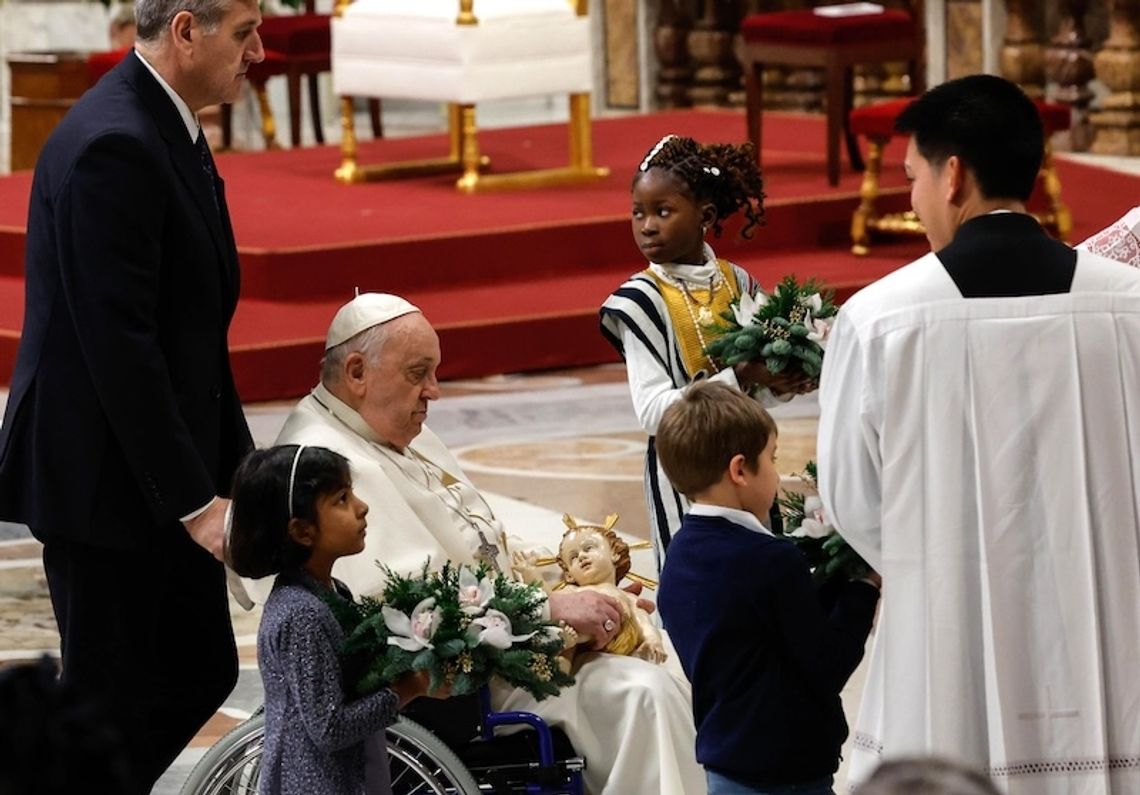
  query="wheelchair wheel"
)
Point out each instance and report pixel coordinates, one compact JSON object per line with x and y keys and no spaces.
{"x":420,"y":763}
{"x":232,"y":765}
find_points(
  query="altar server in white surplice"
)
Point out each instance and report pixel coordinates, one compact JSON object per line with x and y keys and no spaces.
{"x":629,"y":718}
{"x":979,"y":445}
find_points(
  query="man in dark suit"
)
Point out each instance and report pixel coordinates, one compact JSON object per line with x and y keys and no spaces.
{"x":123,"y":426}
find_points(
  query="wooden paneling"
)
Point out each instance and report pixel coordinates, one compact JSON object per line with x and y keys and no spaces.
{"x":44,"y":87}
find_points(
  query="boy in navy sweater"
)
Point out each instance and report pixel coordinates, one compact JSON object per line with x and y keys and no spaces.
{"x":766,"y":654}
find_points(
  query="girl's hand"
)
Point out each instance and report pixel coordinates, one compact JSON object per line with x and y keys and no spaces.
{"x":756,"y":373}
{"x":412,"y":685}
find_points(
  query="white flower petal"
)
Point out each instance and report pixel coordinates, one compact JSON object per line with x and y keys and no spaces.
{"x":815,"y":529}
{"x":409,"y":644}
{"x":396,"y":621}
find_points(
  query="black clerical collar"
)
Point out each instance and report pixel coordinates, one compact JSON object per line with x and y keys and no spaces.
{"x":1004,"y":255}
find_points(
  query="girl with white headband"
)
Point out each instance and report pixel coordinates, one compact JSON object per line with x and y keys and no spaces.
{"x":294,"y":514}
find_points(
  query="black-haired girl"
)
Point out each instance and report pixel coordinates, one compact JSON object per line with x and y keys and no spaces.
{"x":294,"y":514}
{"x":659,"y":319}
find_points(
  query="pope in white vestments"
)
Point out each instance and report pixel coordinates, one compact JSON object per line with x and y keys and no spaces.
{"x":979,"y":445}
{"x":630,"y":719}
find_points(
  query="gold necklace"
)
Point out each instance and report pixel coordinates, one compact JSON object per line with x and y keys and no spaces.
{"x":703,"y":316}
{"x":704,"y":310}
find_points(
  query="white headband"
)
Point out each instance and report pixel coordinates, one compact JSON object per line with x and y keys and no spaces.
{"x":653,"y":152}
{"x":293,"y":476}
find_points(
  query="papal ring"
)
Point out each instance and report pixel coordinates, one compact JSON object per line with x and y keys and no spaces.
{"x":609,"y":625}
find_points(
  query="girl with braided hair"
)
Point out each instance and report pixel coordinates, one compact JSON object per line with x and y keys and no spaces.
{"x":660,"y":320}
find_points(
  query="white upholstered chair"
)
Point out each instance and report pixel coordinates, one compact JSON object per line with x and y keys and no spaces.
{"x":463,"y":52}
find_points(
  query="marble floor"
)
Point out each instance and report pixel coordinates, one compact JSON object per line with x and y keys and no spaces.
{"x":537,"y":445}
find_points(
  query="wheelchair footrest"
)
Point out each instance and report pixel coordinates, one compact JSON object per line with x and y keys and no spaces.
{"x":507,"y":763}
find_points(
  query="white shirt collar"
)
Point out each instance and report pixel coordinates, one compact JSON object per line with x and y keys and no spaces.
{"x":697,"y":275}
{"x":734,"y":515}
{"x":189,"y":118}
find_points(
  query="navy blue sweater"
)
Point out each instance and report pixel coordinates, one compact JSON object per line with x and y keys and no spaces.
{"x":766,"y":656}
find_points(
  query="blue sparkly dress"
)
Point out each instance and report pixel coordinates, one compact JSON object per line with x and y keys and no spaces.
{"x":314,"y":733}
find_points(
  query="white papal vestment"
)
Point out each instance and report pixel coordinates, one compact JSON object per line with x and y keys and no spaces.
{"x":629,"y":718}
{"x":1003,"y":435}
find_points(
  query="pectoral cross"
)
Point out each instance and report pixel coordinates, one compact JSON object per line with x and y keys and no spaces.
{"x":487,"y":552}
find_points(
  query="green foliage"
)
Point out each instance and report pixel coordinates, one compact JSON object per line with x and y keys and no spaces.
{"x":830,"y":557}
{"x":456,"y":656}
{"x":780,"y":331}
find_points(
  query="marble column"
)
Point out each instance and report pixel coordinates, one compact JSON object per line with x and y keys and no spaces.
{"x":1117,"y":124}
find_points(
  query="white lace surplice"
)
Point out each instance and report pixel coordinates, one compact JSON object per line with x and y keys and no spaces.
{"x":1119,"y":241}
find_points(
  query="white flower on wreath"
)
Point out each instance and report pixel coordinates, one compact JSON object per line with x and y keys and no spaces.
{"x":812,"y":302}
{"x":414,"y":632}
{"x":814,"y":524}
{"x":818,"y":331}
{"x":474,"y":594}
{"x":494,"y":629}
{"x":746,"y":308}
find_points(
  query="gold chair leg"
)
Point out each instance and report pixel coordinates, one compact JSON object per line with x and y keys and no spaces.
{"x":268,"y":125}
{"x":581,"y":137}
{"x":348,"y":171}
{"x":868,"y":194}
{"x":1059,"y":216}
{"x":469,"y":143}
{"x":455,"y":131}
{"x":578,"y":170}
{"x":464,"y":155}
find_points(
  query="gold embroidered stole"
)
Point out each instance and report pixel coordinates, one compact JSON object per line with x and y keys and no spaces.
{"x":683,"y":314}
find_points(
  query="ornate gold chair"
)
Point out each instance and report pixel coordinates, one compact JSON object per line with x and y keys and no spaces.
{"x":877,"y":124}
{"x":462,"y":53}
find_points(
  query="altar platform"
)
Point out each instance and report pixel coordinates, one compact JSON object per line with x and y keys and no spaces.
{"x":511,"y":280}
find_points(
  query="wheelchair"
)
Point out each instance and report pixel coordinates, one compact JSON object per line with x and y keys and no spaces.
{"x":540,"y":761}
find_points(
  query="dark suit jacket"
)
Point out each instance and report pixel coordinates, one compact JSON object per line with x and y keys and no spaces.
{"x":123,"y":413}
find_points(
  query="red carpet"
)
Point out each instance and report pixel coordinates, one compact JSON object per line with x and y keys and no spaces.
{"x":512,"y":280}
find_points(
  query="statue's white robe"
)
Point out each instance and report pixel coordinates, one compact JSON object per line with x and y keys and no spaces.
{"x":630,"y":719}
{"x":984,"y":456}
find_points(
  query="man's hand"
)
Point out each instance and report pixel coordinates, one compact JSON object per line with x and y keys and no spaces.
{"x":208,"y":528}
{"x":592,"y":614}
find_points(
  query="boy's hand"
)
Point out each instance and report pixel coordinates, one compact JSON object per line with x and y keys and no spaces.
{"x":635,"y":589}
{"x":874,"y":578}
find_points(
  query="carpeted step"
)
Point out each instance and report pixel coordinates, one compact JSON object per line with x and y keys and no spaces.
{"x":507,"y":327}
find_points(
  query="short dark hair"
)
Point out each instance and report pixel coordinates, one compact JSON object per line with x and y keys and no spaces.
{"x":987,"y":122}
{"x":703,"y":431}
{"x":259,"y":541}
{"x":926,"y":776}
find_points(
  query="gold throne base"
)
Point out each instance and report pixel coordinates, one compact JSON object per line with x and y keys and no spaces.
{"x":464,"y":158}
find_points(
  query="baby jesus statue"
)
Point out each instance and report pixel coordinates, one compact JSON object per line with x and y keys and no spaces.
{"x":596,"y":558}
